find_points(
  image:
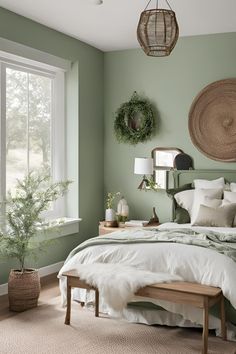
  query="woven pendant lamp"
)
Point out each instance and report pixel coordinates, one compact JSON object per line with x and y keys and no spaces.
{"x":157,"y":31}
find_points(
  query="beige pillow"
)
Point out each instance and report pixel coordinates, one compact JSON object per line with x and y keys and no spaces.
{"x":199,"y":198}
{"x":222,"y":216}
{"x":230,"y":197}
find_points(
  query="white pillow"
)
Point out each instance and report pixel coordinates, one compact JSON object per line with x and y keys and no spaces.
{"x":199,"y":198}
{"x":230,"y":196}
{"x":212,"y":203}
{"x":206,"y":184}
{"x":233,"y":187}
{"x":185,"y":199}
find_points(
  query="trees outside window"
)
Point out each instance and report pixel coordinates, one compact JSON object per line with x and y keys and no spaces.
{"x":28,"y":123}
{"x":29,"y":126}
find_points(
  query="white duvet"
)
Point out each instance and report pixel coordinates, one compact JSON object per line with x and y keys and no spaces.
{"x":192,"y":263}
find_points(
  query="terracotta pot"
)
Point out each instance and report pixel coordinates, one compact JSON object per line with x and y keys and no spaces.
{"x":23,"y":289}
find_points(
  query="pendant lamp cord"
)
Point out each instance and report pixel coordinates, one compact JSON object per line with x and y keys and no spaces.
{"x":168,"y":4}
{"x":147,"y":5}
{"x":157,"y":4}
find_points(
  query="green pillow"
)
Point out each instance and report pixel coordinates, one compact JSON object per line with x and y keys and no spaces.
{"x":180,"y":215}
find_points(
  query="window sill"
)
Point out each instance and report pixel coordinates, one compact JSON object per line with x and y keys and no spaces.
{"x":61,"y":227}
{"x":69,"y":226}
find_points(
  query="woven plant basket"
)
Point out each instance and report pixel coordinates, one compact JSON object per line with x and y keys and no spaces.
{"x":23,"y":289}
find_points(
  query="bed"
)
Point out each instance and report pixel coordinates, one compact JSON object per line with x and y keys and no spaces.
{"x":200,"y":254}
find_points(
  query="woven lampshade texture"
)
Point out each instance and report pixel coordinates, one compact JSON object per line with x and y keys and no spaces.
{"x":157,"y":32}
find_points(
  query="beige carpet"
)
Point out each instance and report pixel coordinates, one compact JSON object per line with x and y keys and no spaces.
{"x":42,"y":330}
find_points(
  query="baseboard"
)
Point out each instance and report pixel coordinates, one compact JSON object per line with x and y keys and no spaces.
{"x":43,"y":272}
{"x":50,"y":269}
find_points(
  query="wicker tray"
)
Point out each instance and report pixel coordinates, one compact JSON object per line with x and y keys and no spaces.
{"x":212,"y":121}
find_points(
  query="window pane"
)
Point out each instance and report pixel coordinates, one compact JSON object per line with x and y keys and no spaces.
{"x":28,"y":124}
{"x":16,"y":125}
{"x":40,"y":122}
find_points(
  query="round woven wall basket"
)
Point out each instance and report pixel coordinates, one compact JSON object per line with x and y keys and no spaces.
{"x":23,"y":289}
{"x":212,"y":121}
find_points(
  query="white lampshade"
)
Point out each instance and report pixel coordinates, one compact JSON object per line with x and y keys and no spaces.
{"x":143,"y":166}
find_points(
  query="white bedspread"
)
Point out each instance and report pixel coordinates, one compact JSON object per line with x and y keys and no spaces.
{"x":192,"y":263}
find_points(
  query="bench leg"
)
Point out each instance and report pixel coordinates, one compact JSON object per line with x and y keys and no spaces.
{"x":222,"y":313}
{"x":68,"y":308}
{"x":205,"y":326}
{"x":96,"y":303}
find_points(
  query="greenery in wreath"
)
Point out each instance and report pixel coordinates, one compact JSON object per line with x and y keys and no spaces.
{"x":134,"y":121}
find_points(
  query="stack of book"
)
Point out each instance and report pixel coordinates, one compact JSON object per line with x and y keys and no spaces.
{"x":136,"y":223}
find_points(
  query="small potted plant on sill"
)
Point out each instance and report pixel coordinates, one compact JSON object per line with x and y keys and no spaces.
{"x":18,"y":236}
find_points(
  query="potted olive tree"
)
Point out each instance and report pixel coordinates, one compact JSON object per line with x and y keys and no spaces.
{"x":18,"y":236}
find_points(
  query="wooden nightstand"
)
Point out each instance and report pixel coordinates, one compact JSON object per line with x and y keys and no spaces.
{"x":107,"y":230}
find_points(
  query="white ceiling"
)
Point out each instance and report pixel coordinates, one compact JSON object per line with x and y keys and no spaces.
{"x":112,"y":25}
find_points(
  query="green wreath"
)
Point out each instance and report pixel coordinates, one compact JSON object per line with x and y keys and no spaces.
{"x":134,"y":121}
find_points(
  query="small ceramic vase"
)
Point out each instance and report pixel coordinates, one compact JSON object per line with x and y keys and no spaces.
{"x":110,"y":215}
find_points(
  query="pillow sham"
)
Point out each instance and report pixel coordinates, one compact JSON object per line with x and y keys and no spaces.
{"x":206,"y":184}
{"x":230,"y":196}
{"x":185,"y":199}
{"x":212,"y":203}
{"x":233,"y":187}
{"x":199,"y":198}
{"x":222,"y":216}
{"x":228,"y":202}
{"x":180,"y":215}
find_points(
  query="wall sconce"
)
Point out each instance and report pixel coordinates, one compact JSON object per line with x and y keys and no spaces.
{"x":143,"y":166}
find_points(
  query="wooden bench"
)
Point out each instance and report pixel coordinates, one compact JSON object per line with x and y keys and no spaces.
{"x":201,"y":296}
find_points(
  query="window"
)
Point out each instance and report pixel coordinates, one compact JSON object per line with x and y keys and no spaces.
{"x":32,"y":124}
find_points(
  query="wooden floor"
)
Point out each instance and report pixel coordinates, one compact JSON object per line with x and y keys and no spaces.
{"x":49,"y":289}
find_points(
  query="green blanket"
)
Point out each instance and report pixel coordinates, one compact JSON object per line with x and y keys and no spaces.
{"x":222,"y":243}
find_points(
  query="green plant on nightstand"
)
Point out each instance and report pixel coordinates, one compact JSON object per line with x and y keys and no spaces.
{"x":110,"y":214}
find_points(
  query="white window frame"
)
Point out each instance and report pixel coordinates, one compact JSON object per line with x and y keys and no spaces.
{"x":58,"y":153}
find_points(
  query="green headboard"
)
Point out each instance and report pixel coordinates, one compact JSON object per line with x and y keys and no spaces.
{"x":178,"y":178}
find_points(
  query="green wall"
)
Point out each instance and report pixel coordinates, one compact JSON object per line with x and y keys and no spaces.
{"x":85,"y":126}
{"x":171,"y":83}
{"x":97,"y":84}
